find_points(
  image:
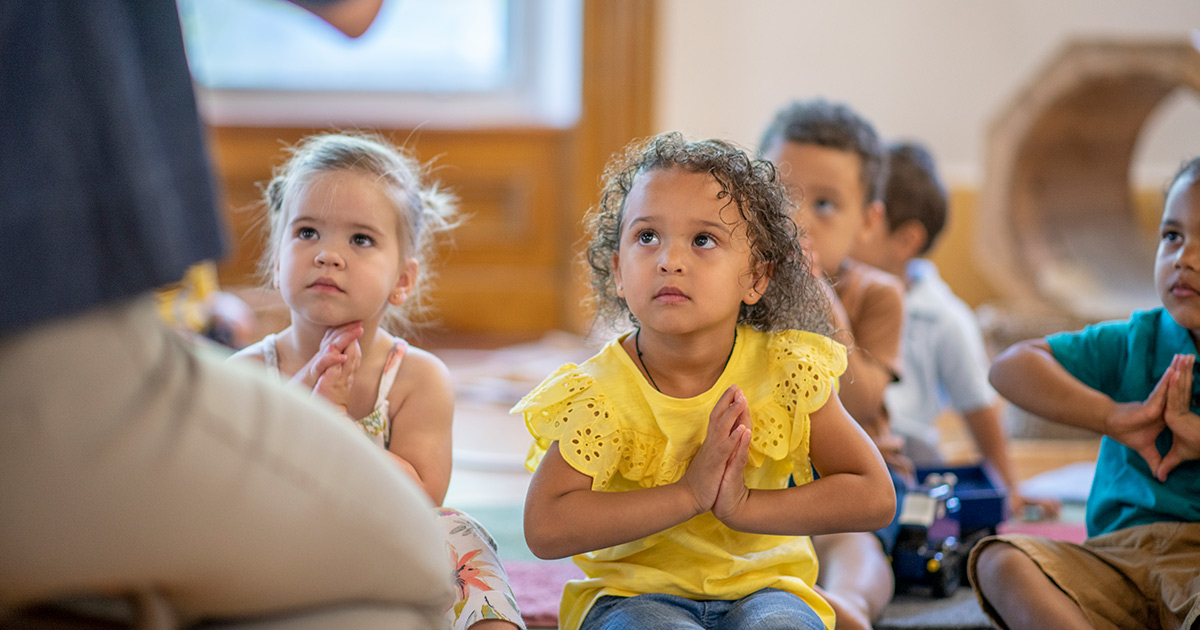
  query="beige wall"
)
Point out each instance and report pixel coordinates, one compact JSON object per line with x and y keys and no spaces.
{"x":952,"y":251}
{"x":939,"y":71}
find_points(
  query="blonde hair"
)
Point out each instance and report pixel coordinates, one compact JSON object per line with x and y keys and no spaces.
{"x":424,"y":209}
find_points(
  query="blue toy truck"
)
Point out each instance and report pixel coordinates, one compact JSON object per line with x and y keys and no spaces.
{"x":941,"y":520}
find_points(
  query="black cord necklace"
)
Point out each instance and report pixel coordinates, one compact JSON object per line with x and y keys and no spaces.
{"x":637,"y":346}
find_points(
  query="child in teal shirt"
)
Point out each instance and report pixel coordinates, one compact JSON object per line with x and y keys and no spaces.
{"x":1132,"y":381}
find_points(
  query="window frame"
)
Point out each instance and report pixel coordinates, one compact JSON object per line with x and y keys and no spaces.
{"x":544,"y":91}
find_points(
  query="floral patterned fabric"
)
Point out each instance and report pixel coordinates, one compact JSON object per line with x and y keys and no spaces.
{"x":483,"y":589}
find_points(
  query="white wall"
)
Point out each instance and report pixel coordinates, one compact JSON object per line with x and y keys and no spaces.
{"x":935,"y":70}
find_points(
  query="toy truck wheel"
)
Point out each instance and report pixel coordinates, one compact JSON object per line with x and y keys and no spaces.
{"x":947,"y":579}
{"x":944,"y":585}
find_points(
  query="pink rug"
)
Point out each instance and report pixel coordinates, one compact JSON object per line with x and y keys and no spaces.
{"x":1054,"y":530}
{"x":538,"y":586}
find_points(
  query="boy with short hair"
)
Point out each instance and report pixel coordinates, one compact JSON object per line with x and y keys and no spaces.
{"x":942,"y":352}
{"x":833,"y":162}
{"x":1132,"y":381}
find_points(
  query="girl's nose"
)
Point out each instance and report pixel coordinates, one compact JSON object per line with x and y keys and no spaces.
{"x":329,"y":258}
{"x":670,"y":260}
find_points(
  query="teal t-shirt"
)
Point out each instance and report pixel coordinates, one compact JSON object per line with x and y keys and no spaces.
{"x":1125,"y":360}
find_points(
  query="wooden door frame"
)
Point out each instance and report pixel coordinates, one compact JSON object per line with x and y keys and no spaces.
{"x":619,"y":56}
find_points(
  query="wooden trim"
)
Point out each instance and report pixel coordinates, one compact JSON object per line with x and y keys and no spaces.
{"x":619,"y":53}
{"x":512,"y":268}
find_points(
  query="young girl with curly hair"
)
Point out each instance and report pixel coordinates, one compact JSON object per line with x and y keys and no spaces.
{"x":662,"y":463}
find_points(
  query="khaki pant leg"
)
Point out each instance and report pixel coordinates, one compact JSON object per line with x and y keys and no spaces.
{"x":1144,"y":576}
{"x":129,"y":462}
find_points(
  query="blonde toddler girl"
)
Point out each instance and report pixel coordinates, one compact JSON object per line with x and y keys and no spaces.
{"x":349,"y":221}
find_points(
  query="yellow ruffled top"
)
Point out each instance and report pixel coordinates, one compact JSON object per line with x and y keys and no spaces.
{"x":613,"y":426}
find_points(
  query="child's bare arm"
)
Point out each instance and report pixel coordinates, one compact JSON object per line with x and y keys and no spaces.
{"x":422,"y":410}
{"x":564,"y":516}
{"x":1029,"y":376}
{"x":872,"y":349}
{"x":854,"y":493}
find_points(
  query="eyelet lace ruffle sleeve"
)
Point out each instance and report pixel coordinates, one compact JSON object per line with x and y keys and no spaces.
{"x":569,"y":409}
{"x":804,"y":370}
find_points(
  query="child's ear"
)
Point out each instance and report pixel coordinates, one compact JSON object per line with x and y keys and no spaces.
{"x":762,"y":279}
{"x":874,"y":219}
{"x":616,"y":259}
{"x":911,"y":237}
{"x":405,"y":283}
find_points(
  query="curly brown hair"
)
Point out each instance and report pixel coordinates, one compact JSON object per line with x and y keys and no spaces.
{"x":793,"y":299}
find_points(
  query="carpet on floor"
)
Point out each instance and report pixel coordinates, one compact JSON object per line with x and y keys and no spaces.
{"x":538,"y":585}
{"x":959,"y":611}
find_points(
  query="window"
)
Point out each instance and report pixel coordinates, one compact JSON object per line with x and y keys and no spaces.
{"x":432,"y":63}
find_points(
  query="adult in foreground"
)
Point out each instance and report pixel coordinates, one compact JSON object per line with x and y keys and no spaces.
{"x":132,"y":463}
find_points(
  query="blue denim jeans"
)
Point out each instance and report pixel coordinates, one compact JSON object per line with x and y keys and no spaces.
{"x":768,"y":609}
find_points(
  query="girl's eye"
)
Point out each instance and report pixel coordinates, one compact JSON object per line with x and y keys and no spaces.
{"x":647,"y":238}
{"x":306,"y":233}
{"x":704,"y":241}
{"x":1171,"y":236}
{"x":362,"y":240}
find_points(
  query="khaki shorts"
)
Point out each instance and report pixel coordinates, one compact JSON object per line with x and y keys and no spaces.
{"x":1147,"y":576}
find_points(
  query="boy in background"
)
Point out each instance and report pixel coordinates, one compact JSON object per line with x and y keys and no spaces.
{"x":1132,"y":381}
{"x":942,"y":351}
{"x":833,"y":162}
